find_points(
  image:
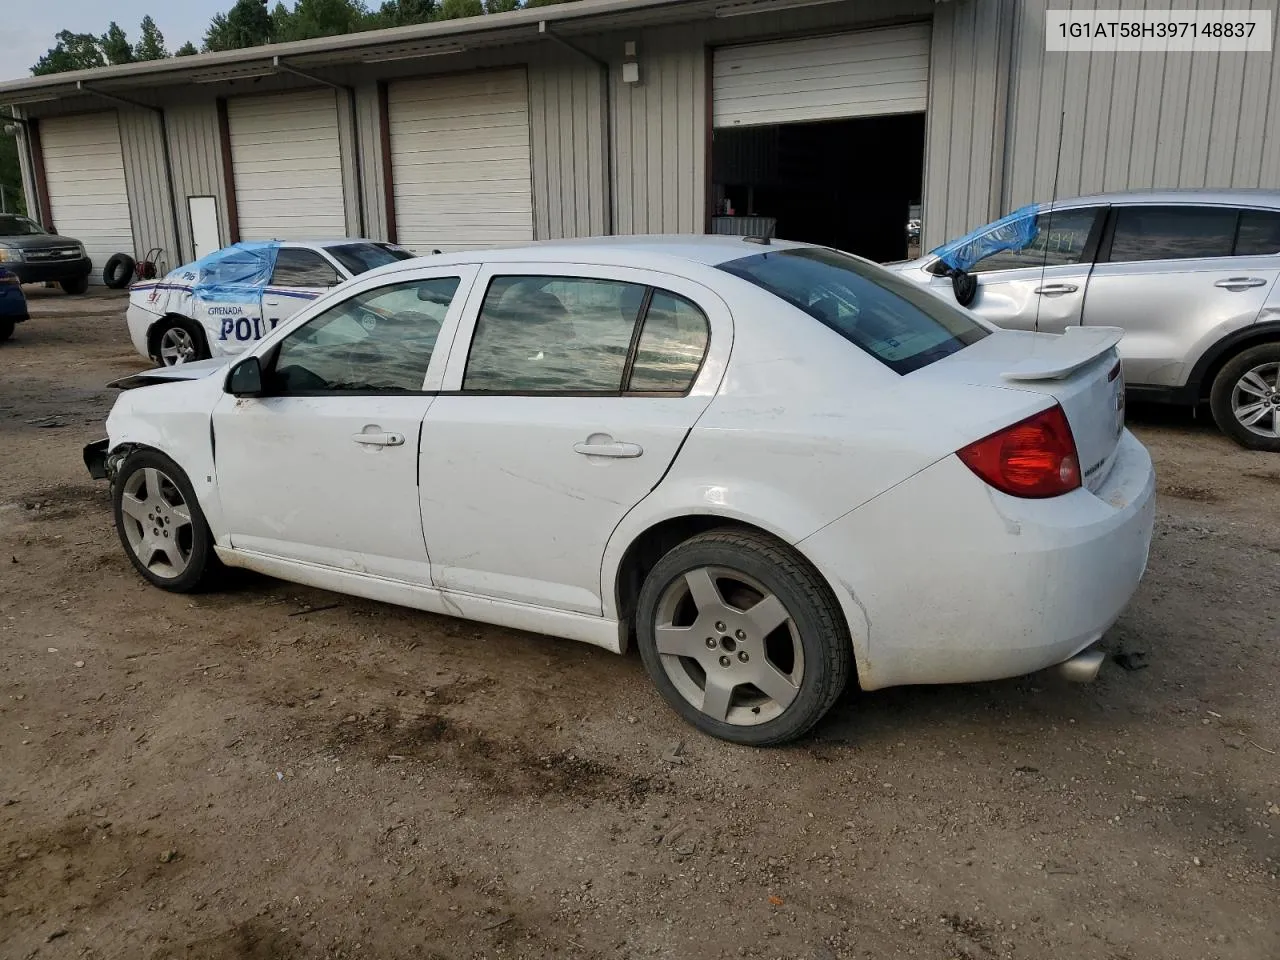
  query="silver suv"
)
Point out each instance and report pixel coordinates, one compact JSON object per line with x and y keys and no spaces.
{"x":1189,"y":275}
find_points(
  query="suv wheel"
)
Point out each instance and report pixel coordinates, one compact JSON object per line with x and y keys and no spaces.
{"x":75,"y":286}
{"x":1245,"y":398}
{"x":6,"y":330}
{"x":742,"y":637}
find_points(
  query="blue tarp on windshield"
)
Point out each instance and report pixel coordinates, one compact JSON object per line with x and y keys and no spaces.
{"x":1013,"y":232}
{"x":233,"y":274}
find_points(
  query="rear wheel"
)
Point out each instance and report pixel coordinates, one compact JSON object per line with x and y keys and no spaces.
{"x":1245,"y":398}
{"x":178,"y":340}
{"x":742,"y":637}
{"x":160,"y":522}
{"x":75,"y":286}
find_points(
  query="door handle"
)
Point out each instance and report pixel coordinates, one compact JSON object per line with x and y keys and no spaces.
{"x":379,"y":439}
{"x":611,"y":448}
{"x":1056,"y":289}
{"x":1240,"y":283}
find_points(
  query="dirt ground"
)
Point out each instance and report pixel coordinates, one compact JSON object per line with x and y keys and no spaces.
{"x":277,"y":772}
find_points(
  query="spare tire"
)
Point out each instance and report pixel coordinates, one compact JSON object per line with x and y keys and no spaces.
{"x":118,"y":273}
{"x":965,"y":286}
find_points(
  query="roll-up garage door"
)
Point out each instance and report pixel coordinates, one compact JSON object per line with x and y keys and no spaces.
{"x":287,"y":166}
{"x":460,"y":160}
{"x":84,"y":171}
{"x":863,"y":74}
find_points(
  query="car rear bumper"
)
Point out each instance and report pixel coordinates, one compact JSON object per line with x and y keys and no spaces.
{"x":945,"y":580}
{"x":53,"y":271}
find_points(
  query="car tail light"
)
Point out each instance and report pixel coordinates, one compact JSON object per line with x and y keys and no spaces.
{"x":1035,"y":457}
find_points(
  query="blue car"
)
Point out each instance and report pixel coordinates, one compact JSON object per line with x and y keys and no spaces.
{"x":13,"y":303}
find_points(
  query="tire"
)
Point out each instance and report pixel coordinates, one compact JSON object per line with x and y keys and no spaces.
{"x":6,"y":329}
{"x":170,"y":547}
{"x":1248,"y":388}
{"x":118,"y":273}
{"x":796,"y":645}
{"x":176,"y":340}
{"x":75,"y":286}
{"x":965,"y":287}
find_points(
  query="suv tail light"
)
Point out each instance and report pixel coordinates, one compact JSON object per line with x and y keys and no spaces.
{"x":1035,"y":457}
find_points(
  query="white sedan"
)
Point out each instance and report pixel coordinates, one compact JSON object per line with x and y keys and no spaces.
{"x":225,"y":302}
{"x":777,"y":467}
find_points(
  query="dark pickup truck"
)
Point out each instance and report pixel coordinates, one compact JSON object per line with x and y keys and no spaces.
{"x":38,"y":256}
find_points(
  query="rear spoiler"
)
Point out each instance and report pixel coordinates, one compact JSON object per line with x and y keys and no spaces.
{"x":1058,"y":357}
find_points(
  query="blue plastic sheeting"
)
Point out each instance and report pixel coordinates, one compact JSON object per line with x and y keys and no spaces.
{"x":1013,"y":232}
{"x":233,"y":274}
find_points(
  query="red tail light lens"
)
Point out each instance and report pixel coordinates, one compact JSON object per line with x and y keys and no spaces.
{"x":1035,"y":457}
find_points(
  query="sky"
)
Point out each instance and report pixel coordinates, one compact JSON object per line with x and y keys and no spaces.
{"x":26,"y":37}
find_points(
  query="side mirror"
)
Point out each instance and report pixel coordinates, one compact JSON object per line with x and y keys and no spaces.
{"x":245,"y":378}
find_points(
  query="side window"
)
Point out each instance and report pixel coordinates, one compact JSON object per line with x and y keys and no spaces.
{"x":1258,"y":234}
{"x":553,"y":335}
{"x":672,"y":343}
{"x":296,"y":267}
{"x":379,"y":340}
{"x":1172,"y":233}
{"x":1061,"y":238}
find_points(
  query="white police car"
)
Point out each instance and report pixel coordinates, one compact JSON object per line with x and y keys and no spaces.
{"x":227,"y":301}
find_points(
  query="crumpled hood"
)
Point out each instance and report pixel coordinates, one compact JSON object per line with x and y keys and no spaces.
{"x":195,"y":370}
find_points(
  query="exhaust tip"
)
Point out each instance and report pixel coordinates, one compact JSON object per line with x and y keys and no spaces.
{"x":1083,"y":667}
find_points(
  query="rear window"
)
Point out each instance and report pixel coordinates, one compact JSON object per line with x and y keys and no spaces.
{"x":361,"y":257}
{"x":902,"y":325}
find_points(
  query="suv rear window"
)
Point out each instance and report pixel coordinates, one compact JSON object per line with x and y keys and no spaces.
{"x":902,"y":325}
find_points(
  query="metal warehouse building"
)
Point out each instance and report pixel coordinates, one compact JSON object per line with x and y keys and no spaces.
{"x":836,"y":118}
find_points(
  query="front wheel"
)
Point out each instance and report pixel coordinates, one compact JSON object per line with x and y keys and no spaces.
{"x":160,"y":522}
{"x":75,"y":286}
{"x":6,"y":330}
{"x":178,"y":340}
{"x":1245,"y":398}
{"x":743,"y":638}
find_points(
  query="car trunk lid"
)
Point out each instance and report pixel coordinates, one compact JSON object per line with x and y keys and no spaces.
{"x":1079,"y":370}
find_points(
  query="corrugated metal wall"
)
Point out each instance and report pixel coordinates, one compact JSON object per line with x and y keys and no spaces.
{"x":965,"y":132}
{"x":369,"y":140}
{"x":1134,"y":120}
{"x":144,"y":173}
{"x":196,"y":153}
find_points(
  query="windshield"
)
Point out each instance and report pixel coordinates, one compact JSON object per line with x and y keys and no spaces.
{"x":14,"y":226}
{"x":361,"y":257}
{"x":902,"y":325}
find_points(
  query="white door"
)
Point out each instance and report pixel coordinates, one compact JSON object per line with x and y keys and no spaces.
{"x":84,"y":170}
{"x":287,"y":166}
{"x":552,"y":426}
{"x":205,"y":235}
{"x":324,"y":468}
{"x":460,"y":160}
{"x":863,"y":74}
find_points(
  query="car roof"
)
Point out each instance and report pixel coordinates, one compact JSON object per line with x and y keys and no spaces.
{"x":1242,"y":196}
{"x":331,"y":242}
{"x":624,"y":251}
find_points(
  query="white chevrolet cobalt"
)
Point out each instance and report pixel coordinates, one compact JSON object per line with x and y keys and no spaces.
{"x":777,"y":467}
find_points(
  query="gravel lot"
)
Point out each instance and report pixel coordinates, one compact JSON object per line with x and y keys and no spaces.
{"x":277,"y":772}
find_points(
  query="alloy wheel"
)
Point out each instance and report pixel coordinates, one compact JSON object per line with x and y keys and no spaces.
{"x":1255,"y":400}
{"x":177,"y":346}
{"x":157,"y":522}
{"x":729,"y":646}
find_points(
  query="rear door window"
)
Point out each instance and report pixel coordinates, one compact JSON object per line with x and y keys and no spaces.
{"x":1258,"y":234}
{"x":296,"y":267}
{"x":902,"y":325}
{"x":1172,"y":233}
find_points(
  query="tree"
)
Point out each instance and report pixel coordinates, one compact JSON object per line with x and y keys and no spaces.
{"x":501,"y":6}
{"x":73,"y":51}
{"x":320,"y":18}
{"x":247,"y":24}
{"x":115,"y":45}
{"x":402,"y":13}
{"x":453,"y":9}
{"x":151,"y":46}
{"x":541,"y":3}
{"x":188,"y":49}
